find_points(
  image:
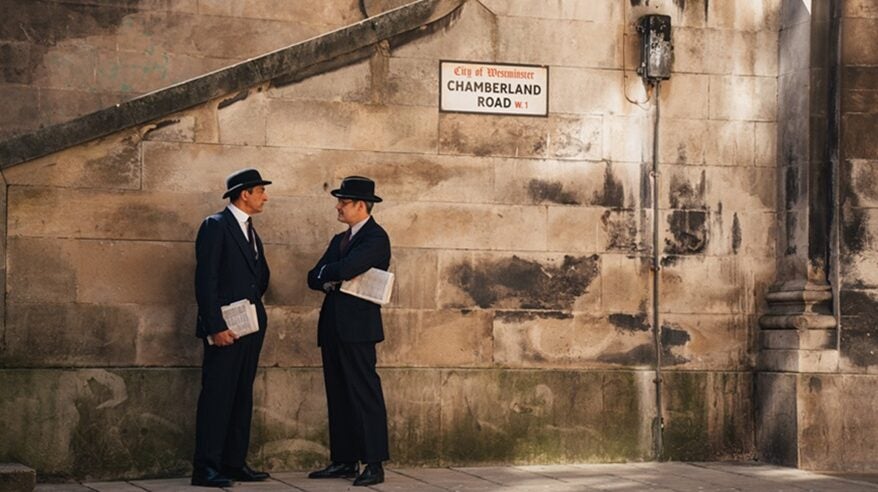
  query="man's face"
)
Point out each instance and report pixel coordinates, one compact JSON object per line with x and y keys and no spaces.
{"x":350,"y":211}
{"x":253,"y":201}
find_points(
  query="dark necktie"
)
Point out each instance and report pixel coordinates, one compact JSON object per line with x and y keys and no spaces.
{"x":251,"y":234}
{"x":345,"y":241}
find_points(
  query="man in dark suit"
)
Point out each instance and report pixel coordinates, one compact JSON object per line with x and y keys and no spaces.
{"x":231,"y":266}
{"x":348,"y":329}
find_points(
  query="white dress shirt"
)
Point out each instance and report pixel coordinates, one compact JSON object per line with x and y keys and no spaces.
{"x":242,"y":218}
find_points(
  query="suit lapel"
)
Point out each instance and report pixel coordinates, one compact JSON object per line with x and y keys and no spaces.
{"x":238,"y":234}
{"x":361,"y":234}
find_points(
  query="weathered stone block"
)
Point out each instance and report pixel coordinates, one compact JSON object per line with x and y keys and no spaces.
{"x":515,"y":281}
{"x":467,"y":38}
{"x":604,"y":95}
{"x":622,"y":231}
{"x":416,"y":278}
{"x":765,"y":143}
{"x":860,"y":8}
{"x":409,"y":82}
{"x":731,"y":143}
{"x":560,"y":137}
{"x":165,"y":335}
{"x":549,"y":9}
{"x":308,"y":229}
{"x":577,"y":43}
{"x":289,"y":419}
{"x":242,"y":117}
{"x":601,"y":184}
{"x":708,"y":414}
{"x":464,"y":226}
{"x":526,"y":416}
{"x":695,"y":284}
{"x":186,"y":168}
{"x":68,"y":67}
{"x":637,"y":144}
{"x":855,"y":39}
{"x":289,"y":279}
{"x":39,"y":335}
{"x":557,"y":339}
{"x":856,"y":129}
{"x":129,"y":72}
{"x":446,"y":338}
{"x":794,"y":13}
{"x":682,"y":141}
{"x":418,"y":177}
{"x":718,"y":188}
{"x":574,"y":230}
{"x":776,"y":418}
{"x":706,"y":342}
{"x":743,"y":15}
{"x":40,"y":270}
{"x":177,"y":128}
{"x":335,"y":13}
{"x":821,"y":421}
{"x":367,"y":127}
{"x":22,"y":113}
{"x":43,"y":212}
{"x":348,"y":83}
{"x":625,"y":283}
{"x":100,"y":424}
{"x":111,"y":162}
{"x":743,"y":98}
{"x":782,"y":360}
{"x":17,"y":478}
{"x":798,"y":339}
{"x":685,"y":96}
{"x":291,"y":338}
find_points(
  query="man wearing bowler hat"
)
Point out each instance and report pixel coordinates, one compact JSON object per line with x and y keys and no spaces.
{"x":231,"y":266}
{"x":348,"y":329}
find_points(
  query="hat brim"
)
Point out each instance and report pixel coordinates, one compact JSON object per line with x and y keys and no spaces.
{"x":243,"y":186}
{"x":365,"y":198}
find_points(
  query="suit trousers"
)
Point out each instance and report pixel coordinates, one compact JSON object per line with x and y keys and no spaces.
{"x":225,"y":405}
{"x":355,"y":401}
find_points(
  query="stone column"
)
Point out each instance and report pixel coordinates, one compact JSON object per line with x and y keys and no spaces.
{"x":798,"y":332}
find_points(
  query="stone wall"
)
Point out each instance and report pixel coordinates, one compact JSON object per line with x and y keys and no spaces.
{"x":66,"y":58}
{"x":520,"y":327}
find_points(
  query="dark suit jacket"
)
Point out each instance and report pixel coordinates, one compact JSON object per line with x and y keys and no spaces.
{"x":226,"y":272}
{"x":352,"y":319}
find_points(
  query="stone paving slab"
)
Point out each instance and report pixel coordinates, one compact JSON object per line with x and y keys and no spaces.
{"x":654,"y":477}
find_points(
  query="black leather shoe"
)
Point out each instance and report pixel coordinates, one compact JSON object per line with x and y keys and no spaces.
{"x":372,"y":474}
{"x":336,"y":470}
{"x":208,"y":477}
{"x":245,"y":474}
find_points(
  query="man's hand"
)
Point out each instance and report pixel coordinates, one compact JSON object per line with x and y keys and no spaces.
{"x":330,"y":286}
{"x":224,"y":338}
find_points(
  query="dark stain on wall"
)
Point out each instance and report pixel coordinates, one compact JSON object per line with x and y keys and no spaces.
{"x":673,"y":336}
{"x":613,"y":193}
{"x":630,"y":322}
{"x":49,"y":23}
{"x":791,"y":186}
{"x":684,"y":195}
{"x":527,"y":284}
{"x":621,"y":230}
{"x":690,"y":231}
{"x":519,"y":316}
{"x":790,"y":232}
{"x":232,"y":100}
{"x":550,"y":191}
{"x":643,"y":354}
{"x":854,"y":222}
{"x":859,"y":333}
{"x":736,"y":234}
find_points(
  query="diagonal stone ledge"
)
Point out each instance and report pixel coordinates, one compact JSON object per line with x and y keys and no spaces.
{"x":307,"y":58}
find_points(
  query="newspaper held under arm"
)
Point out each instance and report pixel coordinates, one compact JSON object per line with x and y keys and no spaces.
{"x":240,"y":317}
{"x":375,"y":286}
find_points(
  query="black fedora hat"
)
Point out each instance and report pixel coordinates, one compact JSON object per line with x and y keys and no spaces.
{"x":357,"y":188}
{"x":243,"y":179}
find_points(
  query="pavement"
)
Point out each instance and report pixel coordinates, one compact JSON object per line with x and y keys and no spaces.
{"x":715,"y":476}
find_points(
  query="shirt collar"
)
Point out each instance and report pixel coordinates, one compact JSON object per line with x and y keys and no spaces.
{"x":239,"y":214}
{"x":359,"y":225}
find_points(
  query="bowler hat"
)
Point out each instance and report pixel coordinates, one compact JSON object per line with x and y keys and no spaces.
{"x":243,"y":179}
{"x":357,"y":188}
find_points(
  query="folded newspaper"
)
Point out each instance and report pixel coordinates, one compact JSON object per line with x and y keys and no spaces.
{"x":240,"y":317}
{"x":375,"y":285}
